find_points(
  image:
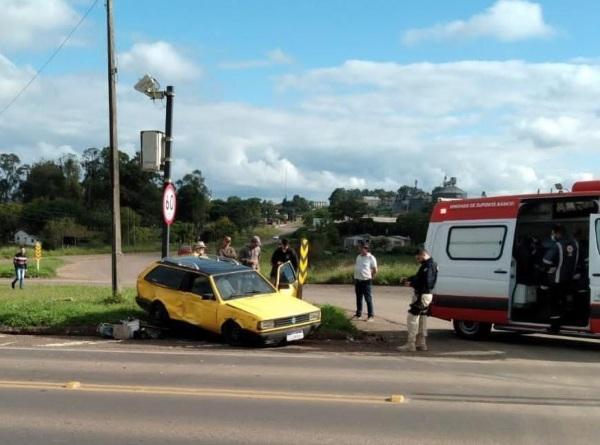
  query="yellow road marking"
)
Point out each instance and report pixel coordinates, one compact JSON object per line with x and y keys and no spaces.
{"x":198,"y":392}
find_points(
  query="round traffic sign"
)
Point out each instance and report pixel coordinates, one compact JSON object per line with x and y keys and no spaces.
{"x":169,"y":204}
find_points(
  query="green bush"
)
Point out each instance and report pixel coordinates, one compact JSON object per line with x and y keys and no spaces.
{"x":335,"y":321}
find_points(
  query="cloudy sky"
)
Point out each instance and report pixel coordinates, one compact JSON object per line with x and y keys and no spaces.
{"x":315,"y":94}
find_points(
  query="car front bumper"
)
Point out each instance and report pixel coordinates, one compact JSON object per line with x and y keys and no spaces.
{"x":280,"y":336}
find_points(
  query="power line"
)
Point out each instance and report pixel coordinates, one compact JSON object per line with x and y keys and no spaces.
{"x":52,"y":56}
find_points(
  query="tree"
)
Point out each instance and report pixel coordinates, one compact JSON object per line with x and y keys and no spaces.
{"x":10,"y":214}
{"x":193,"y":199}
{"x":347,"y":204}
{"x":12,"y":175}
{"x":45,"y":180}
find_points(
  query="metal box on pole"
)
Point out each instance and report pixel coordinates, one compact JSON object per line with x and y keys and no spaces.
{"x":152,"y":150}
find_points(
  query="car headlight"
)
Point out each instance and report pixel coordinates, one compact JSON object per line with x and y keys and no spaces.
{"x":314,"y":316}
{"x":266,"y":324}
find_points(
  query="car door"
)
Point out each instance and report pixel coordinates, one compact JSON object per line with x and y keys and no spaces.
{"x":199,"y":302}
{"x":165,"y":287}
{"x":594,"y":272}
{"x":287,"y":281}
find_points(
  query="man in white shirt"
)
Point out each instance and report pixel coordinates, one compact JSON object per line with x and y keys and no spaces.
{"x":365,"y":270}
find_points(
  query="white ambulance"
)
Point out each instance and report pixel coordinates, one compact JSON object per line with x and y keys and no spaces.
{"x":484,"y":282}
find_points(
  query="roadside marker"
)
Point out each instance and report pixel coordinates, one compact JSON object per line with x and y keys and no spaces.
{"x":303,"y":266}
{"x":38,"y":254}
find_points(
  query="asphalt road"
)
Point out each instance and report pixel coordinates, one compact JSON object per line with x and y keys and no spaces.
{"x":195,"y":392}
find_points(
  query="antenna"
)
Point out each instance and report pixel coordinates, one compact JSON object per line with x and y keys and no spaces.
{"x":285,"y":183}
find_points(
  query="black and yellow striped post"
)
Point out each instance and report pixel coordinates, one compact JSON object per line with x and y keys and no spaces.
{"x":303,"y":266}
{"x":38,"y":255}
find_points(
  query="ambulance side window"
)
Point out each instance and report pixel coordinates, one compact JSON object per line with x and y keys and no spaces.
{"x":484,"y":243}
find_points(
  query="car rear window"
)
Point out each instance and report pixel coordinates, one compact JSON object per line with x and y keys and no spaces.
{"x":166,"y":276}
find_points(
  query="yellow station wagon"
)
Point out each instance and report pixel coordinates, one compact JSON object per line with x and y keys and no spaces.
{"x":226,"y":298}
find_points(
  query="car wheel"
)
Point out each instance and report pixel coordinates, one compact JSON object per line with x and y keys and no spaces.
{"x":159,"y":314}
{"x":233,"y":333}
{"x":472,"y":330}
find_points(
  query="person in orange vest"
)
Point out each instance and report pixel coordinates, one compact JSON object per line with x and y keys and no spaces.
{"x":20,"y":263}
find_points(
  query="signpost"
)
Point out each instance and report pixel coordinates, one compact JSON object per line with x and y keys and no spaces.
{"x":169,"y":207}
{"x":303,"y":266}
{"x":38,"y":254}
{"x":169,"y":204}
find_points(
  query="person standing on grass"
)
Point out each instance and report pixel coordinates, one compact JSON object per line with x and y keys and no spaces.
{"x":250,"y":254}
{"x":365,"y":269}
{"x":283,"y":254}
{"x":416,"y":320}
{"x":20,"y":263}
{"x":226,"y":250}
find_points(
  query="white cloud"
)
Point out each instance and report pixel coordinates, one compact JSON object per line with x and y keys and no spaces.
{"x":160,"y":59}
{"x":552,"y":132}
{"x":34,"y":24}
{"x":498,"y":126}
{"x":505,"y":20}
{"x":272,"y":57}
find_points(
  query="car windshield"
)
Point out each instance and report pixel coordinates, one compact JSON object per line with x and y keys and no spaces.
{"x":242,"y":284}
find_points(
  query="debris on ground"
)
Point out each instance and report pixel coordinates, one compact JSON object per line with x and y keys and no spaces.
{"x":128,"y":329}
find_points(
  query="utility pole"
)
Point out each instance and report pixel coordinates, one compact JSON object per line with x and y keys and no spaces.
{"x":114,"y":155}
{"x":167,"y":167}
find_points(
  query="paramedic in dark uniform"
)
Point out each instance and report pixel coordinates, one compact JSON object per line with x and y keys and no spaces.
{"x":416,"y":320}
{"x":560,"y":261}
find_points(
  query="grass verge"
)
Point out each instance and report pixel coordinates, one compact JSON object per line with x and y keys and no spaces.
{"x":339,"y":269}
{"x":42,"y":306}
{"x":335,"y":323}
{"x":48,"y":268}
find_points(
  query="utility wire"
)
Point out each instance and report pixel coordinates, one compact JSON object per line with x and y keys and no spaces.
{"x":52,"y":56}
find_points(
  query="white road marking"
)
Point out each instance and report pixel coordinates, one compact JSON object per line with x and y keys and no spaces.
{"x":7,"y":343}
{"x":71,"y":343}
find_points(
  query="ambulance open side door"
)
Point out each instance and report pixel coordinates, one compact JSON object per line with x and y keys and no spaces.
{"x":594,"y":265}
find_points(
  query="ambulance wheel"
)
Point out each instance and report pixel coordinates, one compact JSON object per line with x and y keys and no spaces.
{"x":472,"y":330}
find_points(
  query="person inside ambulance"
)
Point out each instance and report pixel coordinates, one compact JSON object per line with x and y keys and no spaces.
{"x":528,"y":257}
{"x":561,"y":259}
{"x":416,"y":320}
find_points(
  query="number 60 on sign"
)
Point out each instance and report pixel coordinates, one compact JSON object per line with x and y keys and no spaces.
{"x":169,"y":204}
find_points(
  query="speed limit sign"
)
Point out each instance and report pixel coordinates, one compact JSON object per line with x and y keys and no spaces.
{"x":169,"y":204}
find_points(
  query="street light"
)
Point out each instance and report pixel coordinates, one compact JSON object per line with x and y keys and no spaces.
{"x":149,"y":86}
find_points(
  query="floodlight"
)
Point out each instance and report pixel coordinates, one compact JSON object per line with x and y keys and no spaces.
{"x":150,"y":87}
{"x":558,"y":187}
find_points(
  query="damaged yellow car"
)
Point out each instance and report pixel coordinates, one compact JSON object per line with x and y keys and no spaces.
{"x":226,"y":298}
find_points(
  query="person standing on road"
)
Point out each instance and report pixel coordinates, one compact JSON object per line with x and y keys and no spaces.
{"x":416,"y":320}
{"x":365,"y":269}
{"x":250,"y":254}
{"x":20,"y":263}
{"x":283,"y":254}
{"x":226,"y":250}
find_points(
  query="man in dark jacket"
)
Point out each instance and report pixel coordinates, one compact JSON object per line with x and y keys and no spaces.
{"x":416,"y":320}
{"x":20,"y":263}
{"x":561,"y":259}
{"x":283,"y":254}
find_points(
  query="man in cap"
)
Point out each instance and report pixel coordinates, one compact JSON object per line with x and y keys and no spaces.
{"x":250,"y":254}
{"x":199,"y":249}
{"x":226,"y":250}
{"x":283,"y":254}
